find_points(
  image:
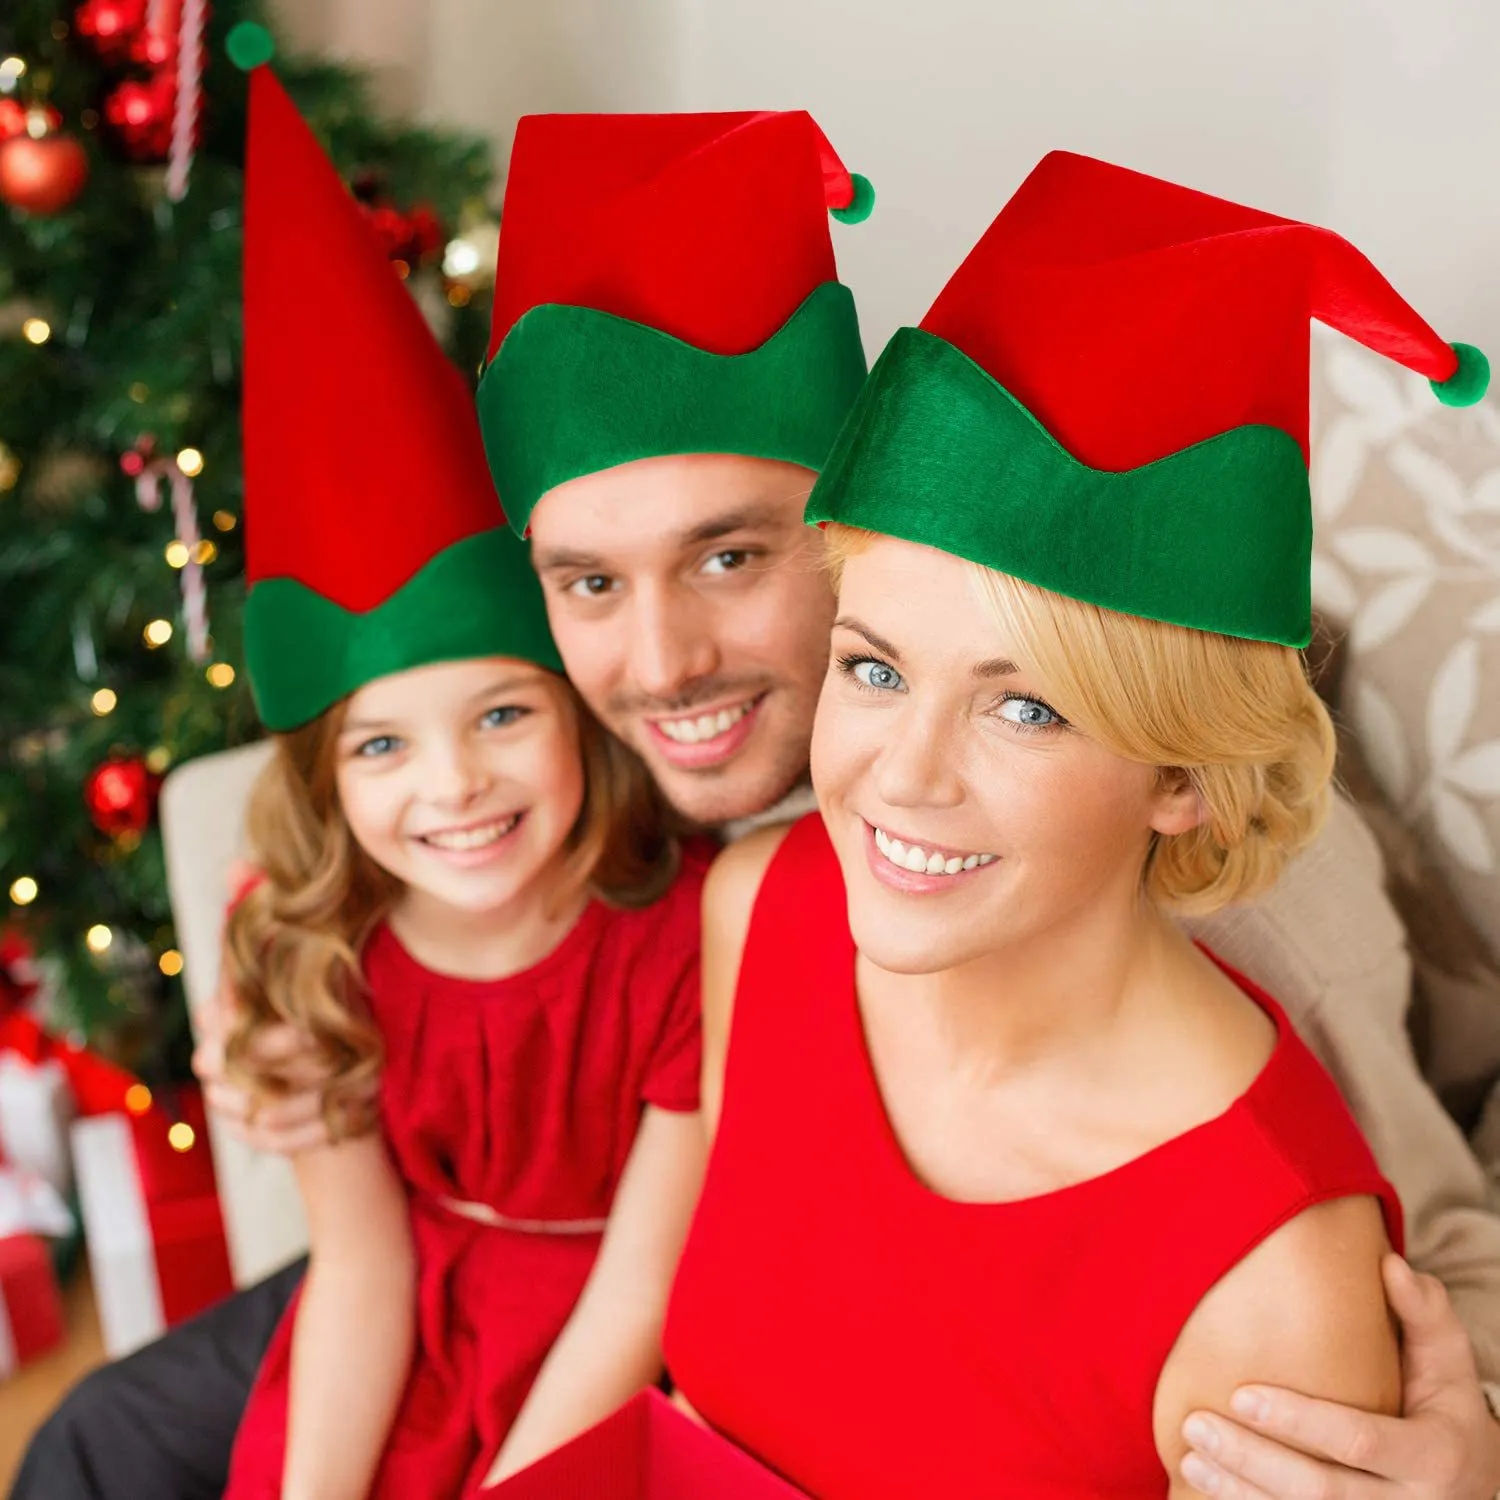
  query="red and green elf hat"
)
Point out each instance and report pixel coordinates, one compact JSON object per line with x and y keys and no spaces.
{"x":1109,"y":400}
{"x":374,"y":542}
{"x":666,"y":284}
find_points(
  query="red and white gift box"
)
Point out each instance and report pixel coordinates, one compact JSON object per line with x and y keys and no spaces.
{"x":31,"y":1314}
{"x":36,"y":1109}
{"x":151,"y":1220}
{"x":648,"y":1450}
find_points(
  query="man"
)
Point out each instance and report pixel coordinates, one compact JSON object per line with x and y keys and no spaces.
{"x":671,"y":359}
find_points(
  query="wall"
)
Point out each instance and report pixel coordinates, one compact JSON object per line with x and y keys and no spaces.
{"x":1377,"y":117}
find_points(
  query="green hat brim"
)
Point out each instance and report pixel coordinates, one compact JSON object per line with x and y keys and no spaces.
{"x":1215,"y":537}
{"x":477,"y":598}
{"x":573,"y":391}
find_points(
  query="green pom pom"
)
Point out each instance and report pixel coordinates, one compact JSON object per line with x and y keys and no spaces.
{"x":1468,"y":383}
{"x":861,"y":205}
{"x":249,"y":46}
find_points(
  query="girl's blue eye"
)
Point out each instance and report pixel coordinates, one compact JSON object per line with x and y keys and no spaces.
{"x":878,"y":676}
{"x":1030,"y":713}
{"x":498,"y":718}
{"x":382,"y":744}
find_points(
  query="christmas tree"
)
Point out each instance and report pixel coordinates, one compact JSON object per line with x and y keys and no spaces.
{"x":121,"y":566}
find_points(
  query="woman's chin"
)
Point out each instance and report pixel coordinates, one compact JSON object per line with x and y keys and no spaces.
{"x":905,"y":948}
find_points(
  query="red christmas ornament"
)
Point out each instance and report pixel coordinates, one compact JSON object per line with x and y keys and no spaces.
{"x":426,"y":232}
{"x":121,"y":796}
{"x":391,"y":229}
{"x":140,"y":114}
{"x":12,"y":117}
{"x":42,"y":173}
{"x":154,"y":49}
{"x":110,"y":26}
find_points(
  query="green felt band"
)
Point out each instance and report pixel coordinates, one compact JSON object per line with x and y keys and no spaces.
{"x":1215,"y":537}
{"x":573,"y":391}
{"x":479,"y":597}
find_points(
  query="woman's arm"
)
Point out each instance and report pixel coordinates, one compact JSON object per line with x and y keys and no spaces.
{"x":1305,"y":1309}
{"x":611,"y":1346}
{"x":352,"y":1345}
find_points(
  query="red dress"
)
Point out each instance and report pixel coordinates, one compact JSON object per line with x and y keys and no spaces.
{"x":870,"y":1339}
{"x":524,"y":1095}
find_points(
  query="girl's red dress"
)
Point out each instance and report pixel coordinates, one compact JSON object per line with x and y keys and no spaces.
{"x":872,"y":1340}
{"x":523,"y":1095}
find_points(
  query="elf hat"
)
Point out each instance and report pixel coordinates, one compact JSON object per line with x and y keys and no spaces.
{"x":666,"y":284}
{"x":374,"y":542}
{"x":1109,"y":400}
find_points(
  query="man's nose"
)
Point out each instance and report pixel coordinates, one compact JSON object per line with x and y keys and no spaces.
{"x":673,"y":642}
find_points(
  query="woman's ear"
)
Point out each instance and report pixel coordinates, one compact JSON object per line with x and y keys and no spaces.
{"x":1178,"y":805}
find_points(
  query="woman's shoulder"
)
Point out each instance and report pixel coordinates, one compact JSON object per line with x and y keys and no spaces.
{"x":1304,"y":1309}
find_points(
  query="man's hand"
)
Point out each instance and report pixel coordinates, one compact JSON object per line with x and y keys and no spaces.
{"x":1445,"y":1447}
{"x":284,"y":1126}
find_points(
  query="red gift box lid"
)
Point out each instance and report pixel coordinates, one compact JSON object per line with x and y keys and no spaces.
{"x":648,"y":1450}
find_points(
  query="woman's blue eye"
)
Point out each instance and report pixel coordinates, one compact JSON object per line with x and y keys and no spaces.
{"x":382,"y":744}
{"x":1030,"y":713}
{"x":878,"y":676}
{"x":498,"y":718}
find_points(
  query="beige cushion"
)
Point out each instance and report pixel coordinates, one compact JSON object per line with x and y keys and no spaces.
{"x":1407,"y":539}
{"x":202,"y":819}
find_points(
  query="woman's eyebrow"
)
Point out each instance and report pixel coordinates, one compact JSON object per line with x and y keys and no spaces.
{"x":848,"y":622}
{"x":997,"y":666}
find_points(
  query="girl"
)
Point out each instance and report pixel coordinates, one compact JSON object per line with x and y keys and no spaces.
{"x":1059,"y":1180}
{"x":466,"y":886}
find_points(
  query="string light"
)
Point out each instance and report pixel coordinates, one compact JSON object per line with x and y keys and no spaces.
{"x":98,"y":938}
{"x":181,"y":1136}
{"x":158,"y":633}
{"x":170,"y":963}
{"x":226,"y":520}
{"x":140,"y":392}
{"x":158,"y":759}
{"x":104,"y":701}
{"x":12,"y":71}
{"x":24,"y":890}
{"x":221,"y":674}
{"x":190,"y":461}
{"x":36,"y":330}
{"x":177,"y":555}
{"x":137,"y":1099}
{"x":459,"y":295}
{"x":204,"y":553}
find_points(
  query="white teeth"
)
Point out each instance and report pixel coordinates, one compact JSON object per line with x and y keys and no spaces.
{"x":472,"y":838}
{"x":706,"y":726}
{"x":920,"y":862}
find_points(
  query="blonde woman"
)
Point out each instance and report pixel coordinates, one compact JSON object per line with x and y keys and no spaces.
{"x":995,"y":1145}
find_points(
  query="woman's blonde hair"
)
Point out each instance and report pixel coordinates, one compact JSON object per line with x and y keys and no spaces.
{"x":293,"y":943}
{"x":1238,"y":718}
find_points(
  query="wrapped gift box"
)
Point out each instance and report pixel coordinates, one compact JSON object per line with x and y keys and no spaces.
{"x":648,"y":1450}
{"x":36,"y":1109}
{"x":31,"y":1314}
{"x":151,"y":1221}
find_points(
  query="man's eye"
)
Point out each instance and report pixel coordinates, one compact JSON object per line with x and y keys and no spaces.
{"x":727,"y":561}
{"x":591,"y":585}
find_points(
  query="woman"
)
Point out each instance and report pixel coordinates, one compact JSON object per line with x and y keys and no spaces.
{"x":1008,"y":1176}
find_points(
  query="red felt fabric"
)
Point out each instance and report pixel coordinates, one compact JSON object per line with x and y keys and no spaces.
{"x":362,"y":452}
{"x":873,"y":1340}
{"x":524,"y":1095}
{"x":1134,"y":317}
{"x":28,"y":1286}
{"x":710,"y":227}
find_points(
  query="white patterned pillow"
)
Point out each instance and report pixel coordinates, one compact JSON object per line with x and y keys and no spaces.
{"x":1406,"y":500}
